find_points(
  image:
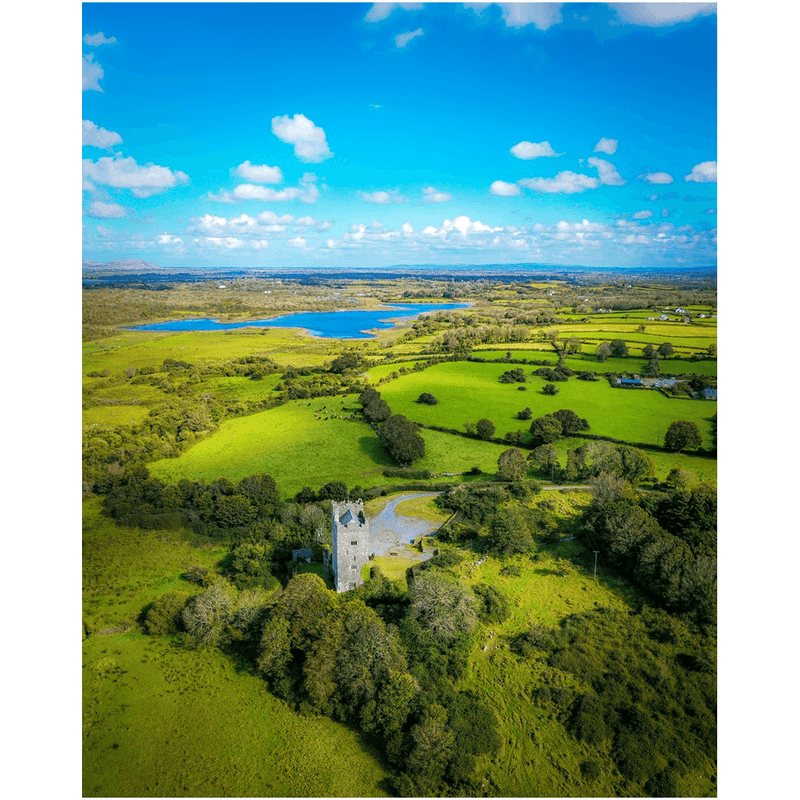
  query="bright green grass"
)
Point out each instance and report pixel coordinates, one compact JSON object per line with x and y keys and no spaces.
{"x":298,"y":450}
{"x":238,"y":388}
{"x":468,"y":391}
{"x":669,"y":366}
{"x":124,"y":569}
{"x":379,"y":371}
{"x":538,"y":758}
{"x":144,"y":392}
{"x":150,"y":348}
{"x":421,"y":508}
{"x":161,"y":721}
{"x":106,"y":417}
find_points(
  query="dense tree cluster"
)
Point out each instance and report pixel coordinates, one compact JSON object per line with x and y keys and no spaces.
{"x":676,"y":565}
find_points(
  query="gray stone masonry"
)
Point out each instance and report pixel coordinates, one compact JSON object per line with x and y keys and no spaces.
{"x":350,"y":544}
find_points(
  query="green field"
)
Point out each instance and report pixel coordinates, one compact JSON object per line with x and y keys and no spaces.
{"x":299,"y":450}
{"x":669,"y":366}
{"x":469,"y":391}
{"x":107,"y":417}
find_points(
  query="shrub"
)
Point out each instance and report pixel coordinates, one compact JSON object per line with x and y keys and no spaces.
{"x":428,"y":399}
{"x":164,"y":615}
{"x":491,"y":605}
{"x":591,"y":771}
{"x":550,"y":388}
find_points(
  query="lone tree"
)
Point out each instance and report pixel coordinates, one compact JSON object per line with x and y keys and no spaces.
{"x":665,"y":350}
{"x":603,"y":351}
{"x":511,"y":465}
{"x":545,"y":430}
{"x":682,"y":434}
{"x":550,"y":388}
{"x":485,"y":429}
{"x":570,"y":421}
{"x":402,"y":439}
{"x":428,"y":399}
{"x":619,"y":348}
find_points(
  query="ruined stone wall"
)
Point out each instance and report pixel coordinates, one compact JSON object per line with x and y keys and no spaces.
{"x":350,"y":544}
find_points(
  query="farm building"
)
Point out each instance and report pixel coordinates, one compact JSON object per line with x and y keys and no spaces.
{"x":629,"y":382}
{"x":709,"y":393}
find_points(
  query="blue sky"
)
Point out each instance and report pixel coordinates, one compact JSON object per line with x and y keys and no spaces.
{"x":296,"y":135}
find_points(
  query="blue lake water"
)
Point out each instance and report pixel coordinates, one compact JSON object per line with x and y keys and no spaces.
{"x":327,"y":324}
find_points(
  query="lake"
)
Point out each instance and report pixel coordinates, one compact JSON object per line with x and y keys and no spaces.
{"x":326,"y":324}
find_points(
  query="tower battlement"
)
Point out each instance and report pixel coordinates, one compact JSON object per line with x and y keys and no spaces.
{"x":350,"y":544}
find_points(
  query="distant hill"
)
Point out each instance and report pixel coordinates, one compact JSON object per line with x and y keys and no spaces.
{"x":125,"y":265}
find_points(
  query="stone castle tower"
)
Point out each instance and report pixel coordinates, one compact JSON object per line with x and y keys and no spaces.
{"x":350,"y":544}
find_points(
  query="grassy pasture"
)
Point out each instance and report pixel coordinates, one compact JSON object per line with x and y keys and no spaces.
{"x":125,"y":569}
{"x":106,"y":417}
{"x":143,"y":392}
{"x":161,"y":721}
{"x":468,"y":391}
{"x":234,"y":387}
{"x":669,"y":366}
{"x":299,"y":450}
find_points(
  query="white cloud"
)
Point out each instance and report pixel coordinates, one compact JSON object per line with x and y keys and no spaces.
{"x":381,"y":11}
{"x":298,"y":241}
{"x":503,"y":189}
{"x":607,"y":172}
{"x":96,"y":39}
{"x":704,"y":172}
{"x":383,"y":198}
{"x":306,"y":192}
{"x":529,"y":150}
{"x":168,"y":238}
{"x":125,"y":173}
{"x":542,"y":15}
{"x":226,"y":242}
{"x":462,"y":225}
{"x":402,"y":39}
{"x":309,"y":140}
{"x":656,"y":15}
{"x":431,"y":195}
{"x":258,"y":173}
{"x":564,"y":183}
{"x":99,"y":137}
{"x":711,"y":211}
{"x":608,"y":146}
{"x":100,"y":210}
{"x":92,"y":74}
{"x":657,"y":177}
{"x":643,"y":215}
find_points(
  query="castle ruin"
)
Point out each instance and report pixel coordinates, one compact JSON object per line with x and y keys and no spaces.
{"x":350,"y":544}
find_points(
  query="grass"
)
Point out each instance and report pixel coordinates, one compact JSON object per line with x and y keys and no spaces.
{"x":469,"y":391}
{"x":291,"y":444}
{"x":105,"y":417}
{"x":163,"y":721}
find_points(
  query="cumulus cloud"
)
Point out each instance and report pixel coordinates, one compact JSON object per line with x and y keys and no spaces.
{"x":258,"y":173}
{"x":657,"y":15}
{"x":529,"y":150}
{"x":541,"y":15}
{"x":93,"y":136}
{"x":643,"y":215}
{"x":704,"y":172}
{"x":92,"y":74}
{"x":462,"y":225}
{"x":100,"y":210}
{"x":431,"y":195}
{"x":268,"y":222}
{"x":309,"y":140}
{"x":402,"y":39}
{"x":657,"y":177}
{"x":608,"y":146}
{"x":383,"y":198}
{"x":380,"y":11}
{"x":96,"y":39}
{"x":503,"y":189}
{"x":607,"y":172}
{"x":226,"y":242}
{"x":306,"y":192}
{"x":168,"y":239}
{"x":564,"y":183}
{"x":125,"y":173}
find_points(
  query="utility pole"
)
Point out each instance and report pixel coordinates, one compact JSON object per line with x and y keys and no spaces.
{"x":595,"y":565}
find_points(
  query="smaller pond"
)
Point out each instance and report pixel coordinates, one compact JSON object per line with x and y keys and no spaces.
{"x":326,"y":324}
{"x":389,"y":531}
